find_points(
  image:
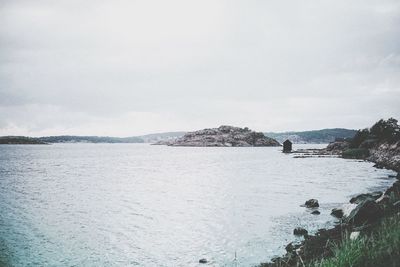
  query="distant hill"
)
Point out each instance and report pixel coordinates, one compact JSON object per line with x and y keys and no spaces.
{"x":89,"y":139}
{"x":316,"y":136}
{"x":19,"y":140}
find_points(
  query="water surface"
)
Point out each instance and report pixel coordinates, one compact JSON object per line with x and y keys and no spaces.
{"x":142,"y":205}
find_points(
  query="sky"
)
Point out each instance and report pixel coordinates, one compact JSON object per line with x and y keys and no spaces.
{"x":131,"y":67}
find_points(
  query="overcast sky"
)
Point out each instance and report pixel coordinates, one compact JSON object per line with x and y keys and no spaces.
{"x":123,"y":68}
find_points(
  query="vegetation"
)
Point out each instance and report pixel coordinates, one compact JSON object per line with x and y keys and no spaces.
{"x":67,"y":139}
{"x":379,"y":248}
{"x":89,"y":139}
{"x":20,"y":140}
{"x":382,"y":131}
{"x":355,"y":153}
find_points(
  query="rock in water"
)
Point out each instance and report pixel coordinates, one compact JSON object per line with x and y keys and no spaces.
{"x":203,"y":261}
{"x":300,"y":231}
{"x":366,"y":212}
{"x":338,"y":213}
{"x":316,"y":212}
{"x":224,"y":136}
{"x":312,"y":203}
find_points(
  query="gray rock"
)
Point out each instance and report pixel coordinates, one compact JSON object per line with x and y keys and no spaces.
{"x":312,"y":203}
{"x":224,"y":136}
{"x":338,"y":213}
{"x":300,"y":231}
{"x":386,"y":155}
{"x":338,"y":146}
{"x":366,"y":212}
{"x":203,"y":260}
{"x":316,"y":212}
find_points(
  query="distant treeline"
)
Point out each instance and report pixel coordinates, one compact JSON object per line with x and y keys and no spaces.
{"x":89,"y":139}
{"x":23,"y":140}
{"x":317,"y":136}
{"x":20,"y":140}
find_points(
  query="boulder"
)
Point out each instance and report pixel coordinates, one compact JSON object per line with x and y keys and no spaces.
{"x":311,"y":203}
{"x":338,"y":213}
{"x":300,"y":231}
{"x":315,"y":212}
{"x":203,"y":260}
{"x":366,"y":212}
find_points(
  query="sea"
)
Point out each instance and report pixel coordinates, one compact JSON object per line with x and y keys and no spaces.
{"x":151,"y":205}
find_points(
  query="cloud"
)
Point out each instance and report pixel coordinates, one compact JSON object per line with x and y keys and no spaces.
{"x":178,"y":65}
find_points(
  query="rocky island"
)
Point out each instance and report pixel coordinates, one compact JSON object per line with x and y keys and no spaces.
{"x":223,"y":136}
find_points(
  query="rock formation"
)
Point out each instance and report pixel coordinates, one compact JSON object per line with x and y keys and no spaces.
{"x":224,"y":136}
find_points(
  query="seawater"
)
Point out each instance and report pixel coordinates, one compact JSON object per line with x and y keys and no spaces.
{"x":143,"y":205}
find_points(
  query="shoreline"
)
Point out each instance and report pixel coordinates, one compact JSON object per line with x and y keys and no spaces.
{"x":321,"y":245}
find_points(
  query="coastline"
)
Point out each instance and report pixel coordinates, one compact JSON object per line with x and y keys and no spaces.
{"x":386,"y":204}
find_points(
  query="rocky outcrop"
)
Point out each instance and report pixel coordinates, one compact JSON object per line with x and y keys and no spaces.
{"x":387,"y":155}
{"x":338,"y":146}
{"x":311,"y":203}
{"x":379,"y":144}
{"x":224,"y":136}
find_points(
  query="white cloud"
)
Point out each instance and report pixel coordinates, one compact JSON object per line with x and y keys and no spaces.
{"x":129,"y":67}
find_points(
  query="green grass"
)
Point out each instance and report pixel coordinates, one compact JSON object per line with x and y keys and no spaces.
{"x":380,"y":248}
{"x":355,"y":153}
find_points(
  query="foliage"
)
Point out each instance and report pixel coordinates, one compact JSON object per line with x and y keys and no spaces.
{"x":19,"y":140}
{"x":359,"y":137}
{"x":380,"y":248}
{"x":386,"y":130}
{"x":382,"y":131}
{"x":355,"y":153}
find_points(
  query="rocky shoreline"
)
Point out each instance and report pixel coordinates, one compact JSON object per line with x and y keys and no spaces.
{"x":380,"y":145}
{"x":370,"y":210}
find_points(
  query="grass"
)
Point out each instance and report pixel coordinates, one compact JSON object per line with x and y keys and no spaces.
{"x":355,"y":153}
{"x":380,"y":248}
